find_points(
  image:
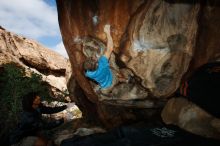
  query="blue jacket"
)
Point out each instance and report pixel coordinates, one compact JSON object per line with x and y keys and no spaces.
{"x":103,"y":74}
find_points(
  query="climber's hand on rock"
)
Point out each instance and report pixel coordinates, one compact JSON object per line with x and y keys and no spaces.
{"x":107,"y":29}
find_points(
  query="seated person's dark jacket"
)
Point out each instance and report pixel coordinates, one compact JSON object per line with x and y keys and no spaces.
{"x":32,"y":123}
{"x":203,"y":88}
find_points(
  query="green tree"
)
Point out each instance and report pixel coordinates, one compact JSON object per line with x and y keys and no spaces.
{"x":13,"y":85}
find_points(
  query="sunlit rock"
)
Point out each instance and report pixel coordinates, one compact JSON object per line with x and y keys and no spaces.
{"x":33,"y":57}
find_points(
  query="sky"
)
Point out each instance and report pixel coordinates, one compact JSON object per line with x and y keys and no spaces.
{"x":34,"y":19}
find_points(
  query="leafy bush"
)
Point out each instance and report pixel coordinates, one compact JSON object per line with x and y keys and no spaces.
{"x":13,"y":85}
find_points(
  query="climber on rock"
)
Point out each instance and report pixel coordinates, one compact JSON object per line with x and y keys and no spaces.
{"x":99,"y":70}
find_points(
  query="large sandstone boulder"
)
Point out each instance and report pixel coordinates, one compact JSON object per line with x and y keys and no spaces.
{"x":33,"y":57}
{"x":188,"y":116}
{"x":157,"y":45}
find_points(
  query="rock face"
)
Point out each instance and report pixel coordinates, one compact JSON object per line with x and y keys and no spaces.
{"x":32,"y":56}
{"x":185,"y":114}
{"x":157,"y":44}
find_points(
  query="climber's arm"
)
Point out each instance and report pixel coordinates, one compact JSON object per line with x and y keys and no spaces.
{"x":109,"y":41}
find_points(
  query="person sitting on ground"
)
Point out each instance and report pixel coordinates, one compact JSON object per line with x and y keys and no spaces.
{"x":100,"y":70}
{"x":32,"y":123}
{"x":202,"y":88}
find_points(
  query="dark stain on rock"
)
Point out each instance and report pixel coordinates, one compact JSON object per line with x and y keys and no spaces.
{"x":162,"y":82}
{"x":176,"y":42}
